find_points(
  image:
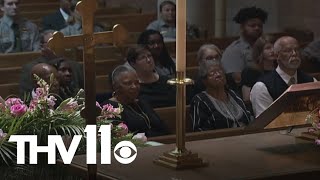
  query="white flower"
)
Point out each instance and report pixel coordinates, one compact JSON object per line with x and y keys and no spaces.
{"x":2,"y":134}
{"x":140,"y":137}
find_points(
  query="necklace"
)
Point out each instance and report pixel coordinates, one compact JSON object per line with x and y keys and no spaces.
{"x":229,"y":109}
{"x":141,"y":114}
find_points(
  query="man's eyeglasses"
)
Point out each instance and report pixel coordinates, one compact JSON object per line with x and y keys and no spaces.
{"x":290,"y":51}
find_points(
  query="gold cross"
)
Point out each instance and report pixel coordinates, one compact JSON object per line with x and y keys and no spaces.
{"x":58,"y":43}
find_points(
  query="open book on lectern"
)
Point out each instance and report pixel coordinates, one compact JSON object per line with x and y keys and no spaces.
{"x":291,"y":108}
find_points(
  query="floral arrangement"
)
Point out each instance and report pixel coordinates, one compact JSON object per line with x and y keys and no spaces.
{"x":42,"y":117}
{"x":314,"y":119}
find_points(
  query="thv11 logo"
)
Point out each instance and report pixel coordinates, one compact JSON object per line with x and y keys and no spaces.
{"x":125,"y":149}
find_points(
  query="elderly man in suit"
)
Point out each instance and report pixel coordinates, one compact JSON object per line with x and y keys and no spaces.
{"x":273,"y":84}
{"x":59,"y":19}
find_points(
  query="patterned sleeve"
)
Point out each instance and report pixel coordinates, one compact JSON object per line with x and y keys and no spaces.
{"x":201,"y":115}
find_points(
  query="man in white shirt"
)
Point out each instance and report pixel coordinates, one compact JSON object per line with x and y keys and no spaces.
{"x":273,"y":84}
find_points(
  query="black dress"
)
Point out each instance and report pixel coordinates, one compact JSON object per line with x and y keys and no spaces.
{"x":141,"y":118}
{"x":159,"y":93}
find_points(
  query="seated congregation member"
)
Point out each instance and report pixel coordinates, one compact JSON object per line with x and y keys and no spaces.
{"x":207,"y":52}
{"x":264,"y":61}
{"x":44,"y":71}
{"x":59,"y":19}
{"x":154,"y":88}
{"x":166,"y":24}
{"x":153,"y":41}
{"x":311,"y":53}
{"x":75,"y":25}
{"x":17,"y":34}
{"x":137,"y":114}
{"x":68,"y":88}
{"x":238,"y":55}
{"x":271,"y":85}
{"x":217,"y":107}
{"x":46,"y":56}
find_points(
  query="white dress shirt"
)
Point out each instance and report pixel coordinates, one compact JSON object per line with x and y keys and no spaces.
{"x":64,"y":15}
{"x":260,"y":97}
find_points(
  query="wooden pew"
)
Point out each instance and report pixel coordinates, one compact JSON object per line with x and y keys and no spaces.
{"x":36,"y":6}
{"x":10,"y":85}
{"x":38,"y":13}
{"x":222,"y":43}
{"x":102,"y":86}
{"x":194,"y":45}
{"x":132,"y":22}
{"x":12,"y":74}
{"x":19,"y":59}
{"x":117,"y":10}
{"x":168,"y":115}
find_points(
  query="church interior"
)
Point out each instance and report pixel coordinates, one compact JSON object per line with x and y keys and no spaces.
{"x":206,"y":89}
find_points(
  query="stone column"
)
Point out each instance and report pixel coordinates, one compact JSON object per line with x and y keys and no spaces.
{"x":220,"y":18}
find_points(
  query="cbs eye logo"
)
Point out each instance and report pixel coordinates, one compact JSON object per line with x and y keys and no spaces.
{"x":125,"y":152}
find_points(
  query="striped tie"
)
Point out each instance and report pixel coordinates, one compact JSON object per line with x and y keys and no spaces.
{"x":292,"y":81}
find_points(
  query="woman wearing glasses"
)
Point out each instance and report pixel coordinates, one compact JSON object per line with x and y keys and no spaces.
{"x":207,"y":52}
{"x":153,"y":41}
{"x":217,"y":107}
{"x":154,"y":88}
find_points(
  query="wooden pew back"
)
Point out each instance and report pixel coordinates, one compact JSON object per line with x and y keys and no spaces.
{"x":132,"y":22}
{"x":168,"y":115}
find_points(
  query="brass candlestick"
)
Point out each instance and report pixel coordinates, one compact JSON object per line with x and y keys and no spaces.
{"x":180,"y":157}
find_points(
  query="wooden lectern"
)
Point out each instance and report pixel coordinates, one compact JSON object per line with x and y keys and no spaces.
{"x":291,"y":108}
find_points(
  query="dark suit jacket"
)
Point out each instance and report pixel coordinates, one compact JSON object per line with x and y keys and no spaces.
{"x":54,"y":21}
{"x":26,"y":82}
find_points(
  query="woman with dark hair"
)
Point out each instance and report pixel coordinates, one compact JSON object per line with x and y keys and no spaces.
{"x":67,"y":85}
{"x":264,"y":61}
{"x":153,"y":41}
{"x":154,"y":87}
{"x":217,"y":107}
{"x":137,"y":114}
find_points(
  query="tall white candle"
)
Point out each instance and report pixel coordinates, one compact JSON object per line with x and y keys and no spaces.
{"x":181,"y":35}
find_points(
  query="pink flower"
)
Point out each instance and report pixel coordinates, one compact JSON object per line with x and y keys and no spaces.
{"x":318,"y":125}
{"x":107,"y":107}
{"x":33,"y":105}
{"x":123,"y":129}
{"x":140,"y":137}
{"x":71,"y":106}
{"x":117,"y":110}
{"x":2,"y":107}
{"x":317,"y":141}
{"x":13,"y":101}
{"x":18,"y":110}
{"x":98,"y":105}
{"x":311,"y":130}
{"x":2,"y":134}
{"x":51,"y":101}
